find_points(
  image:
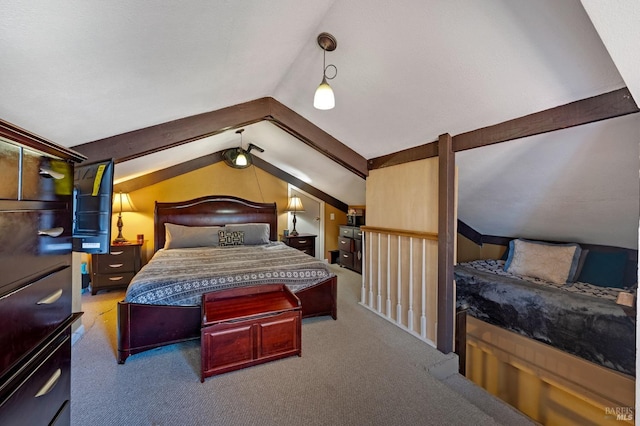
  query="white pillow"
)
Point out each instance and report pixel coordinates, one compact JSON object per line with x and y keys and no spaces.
{"x":556,"y":263}
{"x":179,"y":236}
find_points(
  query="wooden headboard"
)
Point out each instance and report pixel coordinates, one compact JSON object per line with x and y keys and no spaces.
{"x":214,"y":210}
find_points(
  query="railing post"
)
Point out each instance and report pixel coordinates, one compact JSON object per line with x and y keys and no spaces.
{"x":446,"y":235}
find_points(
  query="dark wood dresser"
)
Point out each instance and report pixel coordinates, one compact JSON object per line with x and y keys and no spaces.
{"x":116,"y":268}
{"x":350,"y":245}
{"x":36,"y":193}
{"x":303,"y":242}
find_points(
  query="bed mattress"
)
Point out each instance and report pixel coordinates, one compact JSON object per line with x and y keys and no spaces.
{"x":179,"y":277}
{"x":579,"y":318}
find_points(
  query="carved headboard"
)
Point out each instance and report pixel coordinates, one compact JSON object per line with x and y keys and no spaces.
{"x":214,"y":210}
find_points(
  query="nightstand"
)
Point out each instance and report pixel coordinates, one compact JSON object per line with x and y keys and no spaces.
{"x":116,"y":268}
{"x":303,"y":242}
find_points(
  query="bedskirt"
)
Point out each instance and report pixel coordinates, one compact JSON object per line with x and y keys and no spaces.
{"x":593,"y":328}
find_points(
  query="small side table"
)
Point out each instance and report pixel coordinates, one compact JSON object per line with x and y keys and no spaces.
{"x":116,"y":268}
{"x":304,"y":242}
{"x":247,"y":326}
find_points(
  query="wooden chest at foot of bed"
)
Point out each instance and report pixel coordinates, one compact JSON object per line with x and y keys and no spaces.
{"x":247,"y":326}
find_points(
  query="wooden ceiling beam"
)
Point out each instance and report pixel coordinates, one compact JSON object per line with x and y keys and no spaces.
{"x":589,"y":110}
{"x":138,"y":143}
{"x":207,"y":160}
{"x":602,"y":107}
{"x":301,"y":128}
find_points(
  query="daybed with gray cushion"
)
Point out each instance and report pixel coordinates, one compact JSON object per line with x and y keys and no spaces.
{"x":564,"y":295}
{"x":207,"y":244}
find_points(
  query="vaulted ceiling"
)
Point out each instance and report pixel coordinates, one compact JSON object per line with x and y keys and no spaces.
{"x":80,"y":71}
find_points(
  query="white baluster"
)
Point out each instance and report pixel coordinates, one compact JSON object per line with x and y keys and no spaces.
{"x":371,"y":273}
{"x":399,"y":305}
{"x":363,"y":297}
{"x":379,"y":296}
{"x":423,"y":317}
{"x":389,"y":275}
{"x":410,"y":313}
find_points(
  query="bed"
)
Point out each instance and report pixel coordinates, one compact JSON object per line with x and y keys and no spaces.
{"x":146,"y":321}
{"x":567,"y":311}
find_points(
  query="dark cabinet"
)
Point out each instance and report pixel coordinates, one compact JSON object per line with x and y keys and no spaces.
{"x":303,"y":242}
{"x":116,"y":268}
{"x":350,"y":246}
{"x":35,"y":284}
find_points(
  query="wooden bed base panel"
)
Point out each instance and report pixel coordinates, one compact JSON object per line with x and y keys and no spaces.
{"x":143,"y":327}
{"x":548,"y":385}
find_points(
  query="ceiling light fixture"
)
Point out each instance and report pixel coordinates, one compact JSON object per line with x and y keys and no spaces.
{"x":324,"y":98}
{"x":238,"y":158}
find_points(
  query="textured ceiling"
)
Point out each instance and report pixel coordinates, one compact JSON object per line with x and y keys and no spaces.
{"x":81,"y":70}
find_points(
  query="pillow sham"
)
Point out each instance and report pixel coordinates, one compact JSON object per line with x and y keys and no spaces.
{"x":556,"y":263}
{"x":604,"y":269}
{"x":231,"y":238}
{"x":254,"y":233}
{"x":180,"y":236}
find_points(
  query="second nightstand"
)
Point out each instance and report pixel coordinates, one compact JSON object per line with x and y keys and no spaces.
{"x":115,"y":269}
{"x":303,"y":242}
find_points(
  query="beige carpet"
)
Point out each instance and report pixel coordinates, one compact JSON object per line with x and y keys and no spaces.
{"x":358,"y":370}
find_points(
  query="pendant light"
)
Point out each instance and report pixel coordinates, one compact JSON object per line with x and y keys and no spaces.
{"x":239,"y":158}
{"x":324,"y":98}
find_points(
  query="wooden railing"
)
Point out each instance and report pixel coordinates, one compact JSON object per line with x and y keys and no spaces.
{"x":400,"y":279}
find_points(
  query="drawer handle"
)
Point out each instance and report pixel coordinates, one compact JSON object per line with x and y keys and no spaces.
{"x":302,"y":241}
{"x":48,"y":173}
{"x":116,"y":253}
{"x":343,"y":242}
{"x":116,"y":265}
{"x":50,"y":298}
{"x":115,"y":278}
{"x":345,"y":255}
{"x":359,"y":256}
{"x":359,"y":234}
{"x":52,"y":232}
{"x":50,"y":383}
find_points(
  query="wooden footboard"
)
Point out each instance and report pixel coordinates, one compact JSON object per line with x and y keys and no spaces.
{"x":143,"y":327}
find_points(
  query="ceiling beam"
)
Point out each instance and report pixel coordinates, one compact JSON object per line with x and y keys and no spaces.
{"x":602,"y":107}
{"x":589,"y":110}
{"x":138,"y":143}
{"x":301,"y":128}
{"x":167,"y":173}
{"x":207,"y":160}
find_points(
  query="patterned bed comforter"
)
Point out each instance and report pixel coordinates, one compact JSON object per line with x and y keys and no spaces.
{"x":578,"y":318}
{"x":181,"y":276}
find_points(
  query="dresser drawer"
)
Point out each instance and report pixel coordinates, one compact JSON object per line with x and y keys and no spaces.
{"x":41,"y":396}
{"x":357,"y":234}
{"x":346,"y":259}
{"x":9,"y":171}
{"x":301,"y":243}
{"x":346,"y":231}
{"x":104,"y":281}
{"x":25,"y":254}
{"x":345,"y":244}
{"x":118,"y":261}
{"x":45,"y":178}
{"x":30,"y":313}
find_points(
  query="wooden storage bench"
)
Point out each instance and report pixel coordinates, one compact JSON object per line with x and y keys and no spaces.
{"x":246,"y":326}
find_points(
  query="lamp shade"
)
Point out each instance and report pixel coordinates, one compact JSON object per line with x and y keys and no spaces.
{"x":241,"y":160}
{"x":122,"y":203}
{"x":324,"y":98}
{"x":295,"y":204}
